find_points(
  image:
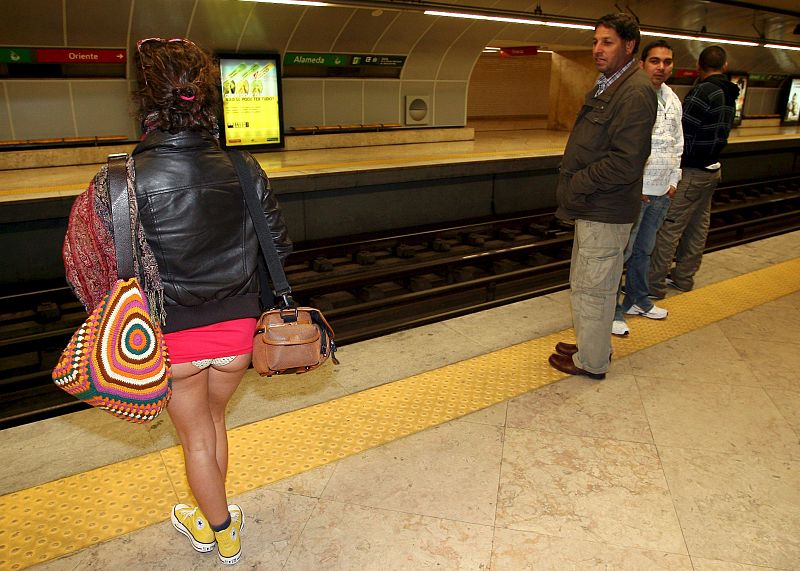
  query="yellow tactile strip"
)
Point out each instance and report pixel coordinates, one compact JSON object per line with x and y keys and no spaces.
{"x":64,"y":516}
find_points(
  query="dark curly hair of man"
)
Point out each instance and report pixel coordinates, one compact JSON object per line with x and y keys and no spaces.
{"x":625,"y":25}
{"x":178,"y":86}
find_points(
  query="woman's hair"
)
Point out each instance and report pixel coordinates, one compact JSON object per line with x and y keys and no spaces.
{"x":178,"y":86}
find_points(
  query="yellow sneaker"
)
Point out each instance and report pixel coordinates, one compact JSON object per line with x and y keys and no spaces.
{"x":229,"y":542}
{"x":191,"y":522}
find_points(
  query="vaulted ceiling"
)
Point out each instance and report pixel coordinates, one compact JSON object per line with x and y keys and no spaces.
{"x":434,"y":44}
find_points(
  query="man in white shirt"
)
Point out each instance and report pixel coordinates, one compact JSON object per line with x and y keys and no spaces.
{"x":661,"y":175}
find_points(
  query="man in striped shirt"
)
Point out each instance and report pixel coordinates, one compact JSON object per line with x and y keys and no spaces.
{"x":708,"y":112}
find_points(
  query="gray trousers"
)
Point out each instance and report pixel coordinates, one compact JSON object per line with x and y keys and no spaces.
{"x":598,"y":252}
{"x":683,"y":234}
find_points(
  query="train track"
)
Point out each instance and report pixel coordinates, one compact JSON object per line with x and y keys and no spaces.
{"x":376,"y":285}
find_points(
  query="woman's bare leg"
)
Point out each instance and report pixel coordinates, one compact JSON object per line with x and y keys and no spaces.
{"x":197,"y":408}
{"x":222,"y":383}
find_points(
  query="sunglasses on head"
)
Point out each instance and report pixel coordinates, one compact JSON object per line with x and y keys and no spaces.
{"x":140,"y":43}
{"x":144,"y":41}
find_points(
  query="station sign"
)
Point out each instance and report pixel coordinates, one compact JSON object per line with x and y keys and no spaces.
{"x":69,"y":55}
{"x":16,"y":55}
{"x":342,"y":60}
{"x":680,"y":73}
{"x":62,"y":55}
{"x":520,"y":51}
{"x":770,"y":77}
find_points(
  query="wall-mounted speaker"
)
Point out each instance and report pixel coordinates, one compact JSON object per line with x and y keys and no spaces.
{"x":418,"y":109}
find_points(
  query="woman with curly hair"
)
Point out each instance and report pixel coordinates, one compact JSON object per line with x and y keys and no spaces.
{"x":197,"y":258}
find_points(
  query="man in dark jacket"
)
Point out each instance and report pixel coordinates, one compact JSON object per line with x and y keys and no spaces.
{"x":708,"y":113}
{"x":600,"y":188}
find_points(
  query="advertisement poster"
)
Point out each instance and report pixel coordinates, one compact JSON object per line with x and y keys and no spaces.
{"x":791,"y":113}
{"x":251,"y":100}
{"x":741,"y":82}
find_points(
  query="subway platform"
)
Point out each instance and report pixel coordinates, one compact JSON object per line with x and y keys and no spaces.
{"x":26,"y":176}
{"x":455,"y":446}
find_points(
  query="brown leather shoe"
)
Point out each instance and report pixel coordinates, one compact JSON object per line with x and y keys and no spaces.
{"x":569,"y":349}
{"x":566,"y":349}
{"x":565,"y":364}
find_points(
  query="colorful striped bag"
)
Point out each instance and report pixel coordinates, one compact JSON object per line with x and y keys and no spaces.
{"x":117,"y":360}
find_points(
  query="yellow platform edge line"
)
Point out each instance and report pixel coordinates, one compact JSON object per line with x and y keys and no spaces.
{"x":64,"y":516}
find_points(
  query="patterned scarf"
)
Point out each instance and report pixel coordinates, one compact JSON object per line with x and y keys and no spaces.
{"x":89,"y":258}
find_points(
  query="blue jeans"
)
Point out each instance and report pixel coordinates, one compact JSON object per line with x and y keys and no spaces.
{"x":637,"y":255}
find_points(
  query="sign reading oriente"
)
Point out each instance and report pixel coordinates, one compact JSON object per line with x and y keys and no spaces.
{"x":62,"y":55}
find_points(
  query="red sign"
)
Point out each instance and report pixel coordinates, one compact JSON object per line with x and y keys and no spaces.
{"x":68,"y":55}
{"x":520,"y":51}
{"x":686,"y":73}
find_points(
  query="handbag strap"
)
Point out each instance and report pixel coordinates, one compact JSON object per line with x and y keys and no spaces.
{"x":276,"y":273}
{"x":120,"y":214}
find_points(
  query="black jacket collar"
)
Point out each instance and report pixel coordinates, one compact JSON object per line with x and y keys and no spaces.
{"x":169,"y":141}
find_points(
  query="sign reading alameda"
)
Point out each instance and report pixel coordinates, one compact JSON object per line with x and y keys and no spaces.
{"x":342,"y":60}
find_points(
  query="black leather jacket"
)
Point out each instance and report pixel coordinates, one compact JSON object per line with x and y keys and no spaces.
{"x":195,"y":219}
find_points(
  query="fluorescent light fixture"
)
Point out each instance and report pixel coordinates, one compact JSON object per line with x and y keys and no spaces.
{"x":568,"y":25}
{"x":668,"y":35}
{"x":295,"y":2}
{"x":508,"y":20}
{"x":780,"y":47}
{"x":481,"y":17}
{"x":723,"y":41}
{"x":699,"y":38}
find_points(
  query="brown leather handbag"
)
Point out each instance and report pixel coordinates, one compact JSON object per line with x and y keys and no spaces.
{"x":288,"y":339}
{"x":292,"y":340}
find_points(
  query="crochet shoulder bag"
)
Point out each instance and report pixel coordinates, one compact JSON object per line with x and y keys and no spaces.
{"x":117,"y":360}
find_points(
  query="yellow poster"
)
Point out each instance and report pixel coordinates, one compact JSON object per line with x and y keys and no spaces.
{"x":250,"y":100}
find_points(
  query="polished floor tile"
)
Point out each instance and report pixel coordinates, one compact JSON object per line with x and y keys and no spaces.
{"x":775,"y":364}
{"x":517,"y":550}
{"x":583,"y":407}
{"x":788,"y":403}
{"x":494,"y":415}
{"x":590,"y":489}
{"x":704,"y":355}
{"x":340,"y":536}
{"x":701,"y":564}
{"x":742,"y":508}
{"x":311,"y":483}
{"x":719,"y":417}
{"x":450,"y":472}
{"x":775,"y":321}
